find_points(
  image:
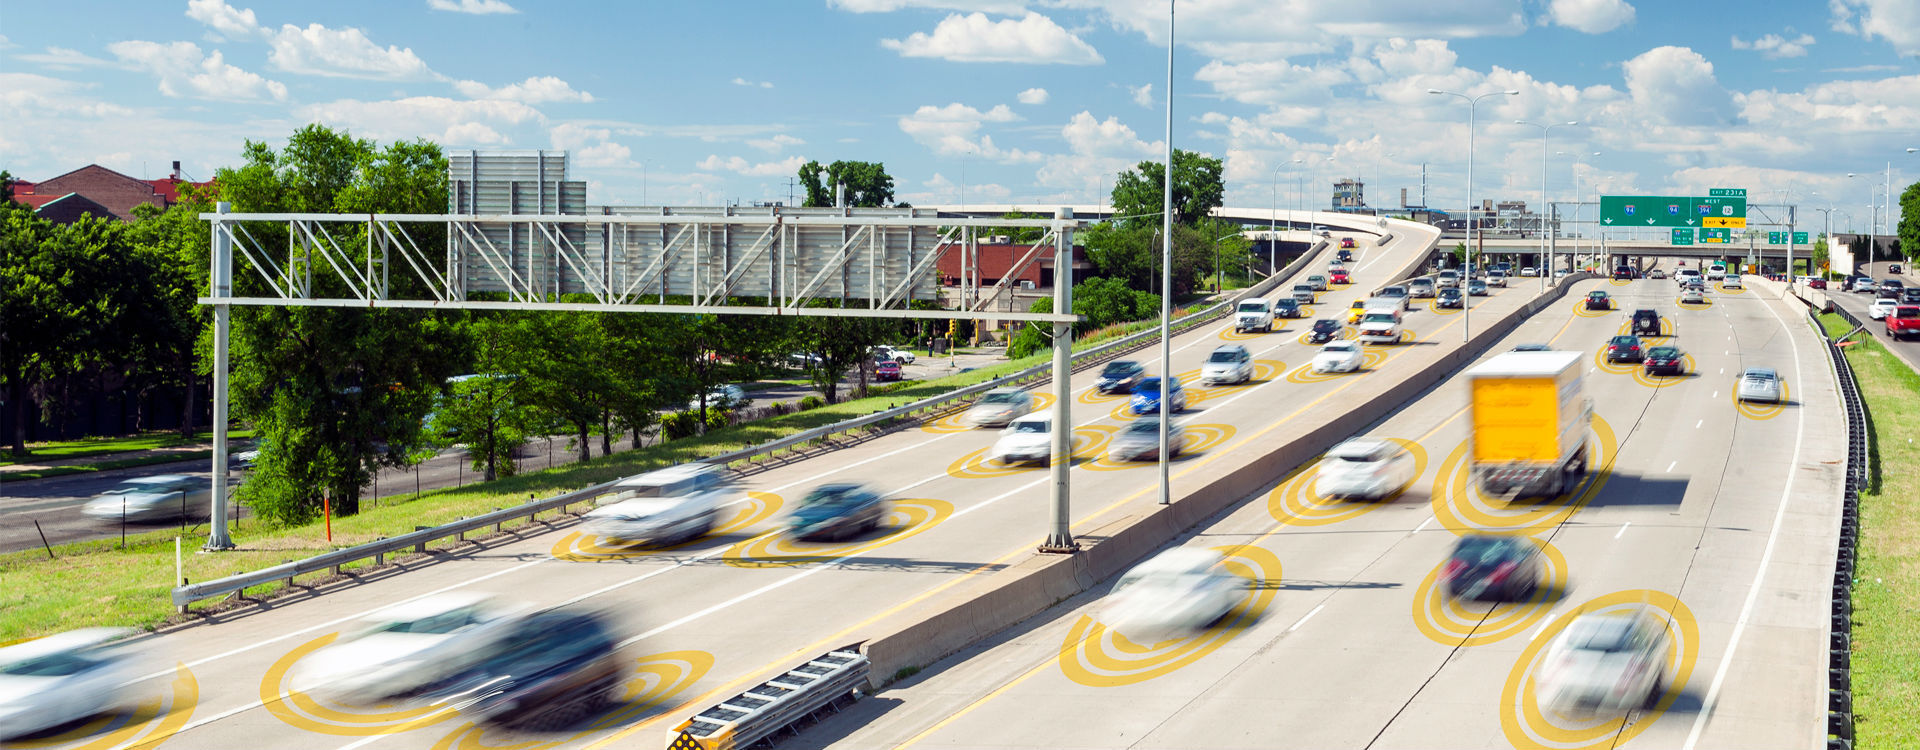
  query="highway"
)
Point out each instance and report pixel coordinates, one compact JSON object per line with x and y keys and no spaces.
{"x":1857,"y":303}
{"x":715,"y":615}
{"x":1721,"y":516}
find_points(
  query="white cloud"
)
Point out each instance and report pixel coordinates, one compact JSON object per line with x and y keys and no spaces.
{"x":61,"y":58}
{"x":1676,"y":85}
{"x":1274,"y":29}
{"x":25,"y":95}
{"x":779,"y":142}
{"x":1897,"y":21}
{"x":1002,"y":7}
{"x":342,"y":53}
{"x":950,"y":131}
{"x":1142,"y":95}
{"x":1774,"y":46}
{"x":534,"y":90}
{"x":476,"y":7}
{"x":184,"y":71}
{"x":1591,"y":16}
{"x":1272,"y":82}
{"x":453,"y":123}
{"x":590,"y":147}
{"x":1400,"y":57}
{"x":1033,"y":96}
{"x":224,"y":19}
{"x":1836,"y":108}
{"x":977,"y":38}
{"x":787,"y":166}
{"x":1096,"y":151}
{"x":737,"y":81}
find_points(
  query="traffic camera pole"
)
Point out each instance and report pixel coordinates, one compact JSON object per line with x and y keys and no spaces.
{"x":1060,"y":533}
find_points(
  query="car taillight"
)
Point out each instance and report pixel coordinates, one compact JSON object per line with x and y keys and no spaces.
{"x":1500,"y":573}
{"x":1453,"y":570}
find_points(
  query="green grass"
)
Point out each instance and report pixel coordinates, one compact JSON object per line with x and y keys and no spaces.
{"x":119,"y":463}
{"x":1886,"y":588}
{"x":83,"y":448}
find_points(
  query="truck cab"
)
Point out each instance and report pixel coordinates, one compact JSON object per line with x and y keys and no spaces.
{"x":1380,"y":325}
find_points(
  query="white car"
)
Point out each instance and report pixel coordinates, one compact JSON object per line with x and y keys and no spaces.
{"x":1882,"y":307}
{"x":668,"y":506}
{"x":896,"y":354}
{"x":155,"y":498}
{"x":1029,"y":438}
{"x":1731,"y":282}
{"x":405,"y":647}
{"x":51,"y":681}
{"x":1691,"y":296}
{"x":1380,"y":326}
{"x":1420,"y":288}
{"x":1177,"y":591}
{"x":1497,"y":277}
{"x":999,"y":407}
{"x":722,"y":397}
{"x":1140,"y":440}
{"x":1447,"y":280}
{"x":1605,"y":662}
{"x":1230,"y":363}
{"x":1338,"y":356}
{"x":1530,"y":271}
{"x":1364,"y":469}
{"x":1760,"y":384}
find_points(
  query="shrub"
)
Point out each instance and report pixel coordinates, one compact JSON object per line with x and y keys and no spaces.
{"x":718,"y":418}
{"x":680,"y":424}
{"x":812,"y":402}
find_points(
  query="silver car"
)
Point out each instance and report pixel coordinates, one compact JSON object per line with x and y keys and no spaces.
{"x":51,"y":681}
{"x":1140,"y":441}
{"x":1364,"y":469}
{"x":156,"y":498}
{"x":1604,"y":663}
{"x":1761,"y":384}
{"x":1230,"y":363}
{"x":1000,"y":406}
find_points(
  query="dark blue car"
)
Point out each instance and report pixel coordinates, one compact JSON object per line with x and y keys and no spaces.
{"x":1146,"y":396}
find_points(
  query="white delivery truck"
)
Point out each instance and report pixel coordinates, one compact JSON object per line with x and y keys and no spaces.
{"x":1529,"y":414}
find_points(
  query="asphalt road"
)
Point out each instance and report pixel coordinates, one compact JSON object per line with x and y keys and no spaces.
{"x":1721,"y":516}
{"x":714,"y":615}
{"x":1857,"y":304}
{"x":54,"y":503}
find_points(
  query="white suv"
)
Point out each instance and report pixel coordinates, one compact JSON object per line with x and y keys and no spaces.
{"x":1365,"y":469}
{"x":1231,"y":363}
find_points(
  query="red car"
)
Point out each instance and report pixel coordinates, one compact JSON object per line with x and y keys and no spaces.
{"x":1341,"y":277}
{"x":1816,"y":283}
{"x":1346,"y":243}
{"x":886,"y":371}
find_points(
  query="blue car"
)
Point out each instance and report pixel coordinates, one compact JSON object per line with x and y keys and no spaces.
{"x":838,"y":511}
{"x":1146,"y":396}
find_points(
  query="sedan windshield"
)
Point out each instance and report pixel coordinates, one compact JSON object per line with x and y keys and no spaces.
{"x":1625,"y":341}
{"x":1663,"y":352}
{"x":1253,"y":307}
{"x":1000,"y":398}
{"x":1039,"y":427}
{"x":1224,"y":357}
{"x":1119,"y":369}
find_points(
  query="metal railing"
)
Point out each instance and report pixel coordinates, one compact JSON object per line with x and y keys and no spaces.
{"x":777,"y":704}
{"x":1840,"y":629}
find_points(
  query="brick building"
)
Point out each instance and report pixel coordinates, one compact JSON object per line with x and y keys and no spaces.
{"x":997,"y":260}
{"x":100,"y":191}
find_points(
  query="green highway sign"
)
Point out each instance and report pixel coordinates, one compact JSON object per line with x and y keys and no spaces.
{"x":1780,"y":238}
{"x":1799,"y":238}
{"x":1724,"y":211}
{"x":1682,"y":236}
{"x":1728,"y":192}
{"x":1716,"y":234}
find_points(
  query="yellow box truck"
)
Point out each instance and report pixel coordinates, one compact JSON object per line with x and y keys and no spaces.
{"x":1529,"y":412}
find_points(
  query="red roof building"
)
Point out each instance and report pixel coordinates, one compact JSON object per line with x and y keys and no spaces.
{"x":996,"y":260}
{"x":100,"y":191}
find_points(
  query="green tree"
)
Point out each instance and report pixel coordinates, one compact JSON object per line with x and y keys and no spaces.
{"x":1819,"y":258}
{"x":867,"y":183}
{"x":1024,"y":235}
{"x":40,"y":302}
{"x":1032,"y":338}
{"x":338,"y":393}
{"x":839,"y":345}
{"x":176,"y":331}
{"x":1909,"y":228}
{"x":1197,"y":189}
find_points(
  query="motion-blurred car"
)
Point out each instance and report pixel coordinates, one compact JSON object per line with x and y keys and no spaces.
{"x":542,"y":670}
{"x":1880,"y":307}
{"x":999,"y":406}
{"x":1177,"y":591}
{"x":1338,"y":356}
{"x":1666,"y":360}
{"x":1318,"y":282}
{"x":1323,"y":331}
{"x":1476,"y":288}
{"x":837,"y":511}
{"x":1732,"y":281}
{"x":1146,"y":396}
{"x":1027,"y":439}
{"x":1597,"y":300}
{"x":1449,"y":299}
{"x":887,"y":371}
{"x":1364,"y":469}
{"x":1893,"y":268}
{"x":160,"y":497}
{"x":1910,"y":296}
{"x":1140,"y":441}
{"x":1625,"y":348}
{"x":1287,"y":307}
{"x":1120,"y":376}
{"x":1692,"y":296}
{"x":1502,"y":567}
{"x":1623,"y":273}
{"x":396,"y":652}
{"x":51,"y":681}
{"x":1760,"y":384}
{"x":666,"y":506}
{"x":1605,"y":662}
{"x":727,"y":396}
{"x":1341,"y":277}
{"x":1229,"y":363}
{"x":1397,"y":293}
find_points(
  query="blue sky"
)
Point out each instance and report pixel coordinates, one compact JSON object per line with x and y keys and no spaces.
{"x":1032,"y":101}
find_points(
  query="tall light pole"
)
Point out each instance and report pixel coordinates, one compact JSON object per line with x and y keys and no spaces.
{"x":1273,"y":220}
{"x":1466,"y":319}
{"x":1166,"y":283}
{"x":1546,"y":263}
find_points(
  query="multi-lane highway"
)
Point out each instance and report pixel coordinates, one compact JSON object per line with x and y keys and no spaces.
{"x":1720,"y":516}
{"x":1857,"y":304}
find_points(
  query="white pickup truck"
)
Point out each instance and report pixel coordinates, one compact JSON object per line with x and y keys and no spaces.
{"x":1253,"y":313}
{"x":1380,"y":325}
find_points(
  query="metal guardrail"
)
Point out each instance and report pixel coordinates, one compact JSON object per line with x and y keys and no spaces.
{"x":418,"y":540}
{"x":774,"y":705}
{"x":1840,"y":627}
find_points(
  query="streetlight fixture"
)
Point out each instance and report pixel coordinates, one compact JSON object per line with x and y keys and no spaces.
{"x":1466,"y":320}
{"x":1546,"y":263}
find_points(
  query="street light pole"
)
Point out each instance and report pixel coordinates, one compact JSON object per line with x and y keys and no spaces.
{"x":1546,"y":263}
{"x":1466,"y":320}
{"x":1273,"y":220}
{"x":1166,"y":283}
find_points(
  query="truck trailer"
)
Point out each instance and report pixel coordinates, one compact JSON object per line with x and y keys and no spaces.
{"x":1530,"y":414}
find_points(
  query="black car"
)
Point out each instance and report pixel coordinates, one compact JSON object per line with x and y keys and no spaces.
{"x":1646,"y":323}
{"x":1497,"y":566}
{"x":1625,"y":349}
{"x":1665,"y":360}
{"x":1893,"y":268}
{"x":1598,"y":301}
{"x":547,"y":670}
{"x":1323,"y":331}
{"x":1120,"y":376}
{"x":1286,"y":307}
{"x":1622,"y":273}
{"x":1449,"y":298}
{"x":1346,"y":256}
{"x":1910,"y":296}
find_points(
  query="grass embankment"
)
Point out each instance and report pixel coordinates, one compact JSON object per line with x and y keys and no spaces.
{"x":67,"y":450}
{"x":1886,"y":588}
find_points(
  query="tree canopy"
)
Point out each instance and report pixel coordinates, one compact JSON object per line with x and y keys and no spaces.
{"x":867,"y":182}
{"x":1197,"y":189}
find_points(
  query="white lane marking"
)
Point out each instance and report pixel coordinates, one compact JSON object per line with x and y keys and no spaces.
{"x":1423,"y":525}
{"x":1760,"y":572}
{"x":1535,"y":635}
{"x":1303,"y":620}
{"x":1696,"y":425}
{"x":1671,"y":465}
{"x":1723,"y":371}
{"x":1623,"y":529}
{"x":1716,"y":394}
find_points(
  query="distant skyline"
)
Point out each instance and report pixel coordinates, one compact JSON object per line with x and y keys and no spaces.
{"x":1033,"y":102}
